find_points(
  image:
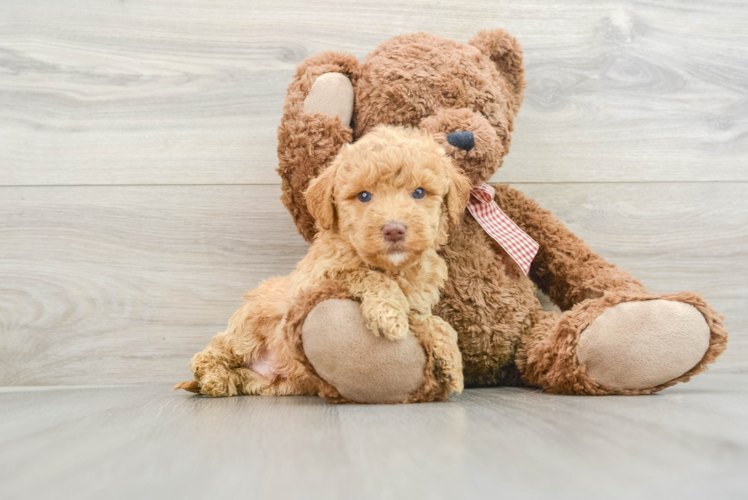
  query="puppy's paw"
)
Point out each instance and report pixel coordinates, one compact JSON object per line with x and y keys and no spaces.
{"x":216,"y":387}
{"x":397,"y":329}
{"x":215,"y":381}
{"x":387,"y":321}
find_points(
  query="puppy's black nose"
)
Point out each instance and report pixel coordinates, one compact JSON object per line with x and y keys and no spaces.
{"x":393,"y":231}
{"x":462,"y":139}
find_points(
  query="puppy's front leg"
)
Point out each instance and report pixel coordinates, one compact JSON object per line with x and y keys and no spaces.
{"x":444,"y":362}
{"x":447,"y":357}
{"x":383,"y":304}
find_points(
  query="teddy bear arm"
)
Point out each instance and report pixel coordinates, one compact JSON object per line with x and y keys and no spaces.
{"x":315,"y":125}
{"x":305,"y":149}
{"x":565,"y":268}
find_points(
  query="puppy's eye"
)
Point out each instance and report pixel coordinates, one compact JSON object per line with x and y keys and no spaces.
{"x":484,"y":116}
{"x":418,"y":193}
{"x":364,"y":197}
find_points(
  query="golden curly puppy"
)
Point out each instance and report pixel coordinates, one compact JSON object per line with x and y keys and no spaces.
{"x":383,"y":209}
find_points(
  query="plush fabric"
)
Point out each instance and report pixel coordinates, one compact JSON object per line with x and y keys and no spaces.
{"x":362,"y":367}
{"x":332,"y":95}
{"x":623,"y":347}
{"x":445,"y":87}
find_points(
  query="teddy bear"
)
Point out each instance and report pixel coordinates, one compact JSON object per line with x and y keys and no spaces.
{"x":612,"y":336}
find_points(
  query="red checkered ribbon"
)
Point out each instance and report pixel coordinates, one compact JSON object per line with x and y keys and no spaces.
{"x":515,"y":241}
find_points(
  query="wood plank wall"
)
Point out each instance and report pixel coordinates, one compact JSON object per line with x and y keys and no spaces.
{"x":138,"y":198}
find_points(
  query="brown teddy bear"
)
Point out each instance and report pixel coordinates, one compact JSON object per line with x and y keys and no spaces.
{"x":613,"y":336}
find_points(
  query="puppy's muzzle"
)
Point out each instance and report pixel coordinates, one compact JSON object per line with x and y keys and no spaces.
{"x":394,"y":232}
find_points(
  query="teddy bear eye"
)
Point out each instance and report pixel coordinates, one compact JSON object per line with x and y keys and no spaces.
{"x":418,"y":193}
{"x":364,"y":197}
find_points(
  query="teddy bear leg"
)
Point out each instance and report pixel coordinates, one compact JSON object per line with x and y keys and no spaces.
{"x":361,"y":366}
{"x":637,"y":345}
{"x":619,"y":344}
{"x":326,"y":332}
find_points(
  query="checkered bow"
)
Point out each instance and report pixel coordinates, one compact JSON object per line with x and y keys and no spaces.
{"x":506,"y":233}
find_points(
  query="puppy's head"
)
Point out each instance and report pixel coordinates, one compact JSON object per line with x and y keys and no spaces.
{"x":391,"y":194}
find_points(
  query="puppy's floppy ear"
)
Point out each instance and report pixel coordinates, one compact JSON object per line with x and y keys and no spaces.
{"x":458,"y":194}
{"x":319,"y":197}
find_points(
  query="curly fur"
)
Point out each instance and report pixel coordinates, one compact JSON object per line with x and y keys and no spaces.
{"x":440,"y":86}
{"x":551,"y":360}
{"x":260,"y":352}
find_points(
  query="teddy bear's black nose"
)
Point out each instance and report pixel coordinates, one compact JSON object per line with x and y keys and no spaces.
{"x":462,"y":139}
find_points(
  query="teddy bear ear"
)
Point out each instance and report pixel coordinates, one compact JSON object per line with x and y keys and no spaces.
{"x":506,"y":52}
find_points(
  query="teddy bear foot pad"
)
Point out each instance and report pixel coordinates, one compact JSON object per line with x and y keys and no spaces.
{"x":361,"y":366}
{"x":636,"y":345}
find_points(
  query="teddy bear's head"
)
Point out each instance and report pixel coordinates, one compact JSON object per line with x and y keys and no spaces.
{"x":466,"y":95}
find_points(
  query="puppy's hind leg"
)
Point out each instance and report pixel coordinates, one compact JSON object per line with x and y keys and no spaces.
{"x":223,"y":368}
{"x":219,"y":372}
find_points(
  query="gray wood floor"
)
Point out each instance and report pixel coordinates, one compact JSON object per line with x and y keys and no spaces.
{"x":690,"y":441}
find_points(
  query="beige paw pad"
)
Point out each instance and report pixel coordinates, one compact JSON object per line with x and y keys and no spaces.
{"x":638,"y":345}
{"x":361,"y":366}
{"x":331,"y":95}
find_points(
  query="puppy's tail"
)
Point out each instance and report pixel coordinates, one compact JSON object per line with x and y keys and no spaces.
{"x":189,"y":386}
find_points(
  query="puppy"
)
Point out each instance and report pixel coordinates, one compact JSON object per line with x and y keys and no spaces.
{"x":383,"y":209}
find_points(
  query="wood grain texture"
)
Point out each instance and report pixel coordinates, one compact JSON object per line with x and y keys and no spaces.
{"x":108,"y":285}
{"x":689,"y":442}
{"x":190,"y":92}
